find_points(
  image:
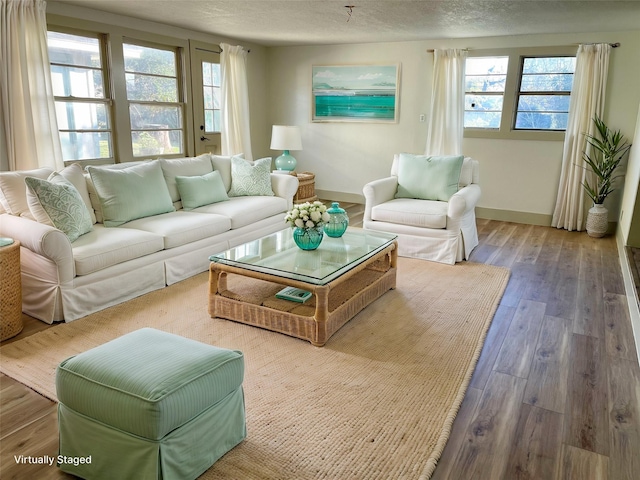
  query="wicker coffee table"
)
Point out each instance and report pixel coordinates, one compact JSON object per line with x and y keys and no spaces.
{"x":344,"y":275}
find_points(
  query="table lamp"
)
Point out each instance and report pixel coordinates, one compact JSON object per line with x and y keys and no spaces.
{"x":285,"y":137}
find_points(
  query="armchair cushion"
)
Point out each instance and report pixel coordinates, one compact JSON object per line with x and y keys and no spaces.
{"x":406,"y":211}
{"x":428,"y":177}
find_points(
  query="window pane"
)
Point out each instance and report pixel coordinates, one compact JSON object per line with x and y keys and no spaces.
{"x":149,"y":60}
{"x":154,"y":117}
{"x":549,"y":65}
{"x":156,"y":142}
{"x":85,"y":145}
{"x":541,"y":121}
{"x":210,"y":74}
{"x":73,"y":50}
{"x":82,"y":116}
{"x":485,"y":83}
{"x":158,"y":89}
{"x":547,"y":83}
{"x":483,"y":102}
{"x":545,"y":103}
{"x":77,"y":82}
{"x":482,"y":120}
{"x":486,"y":65}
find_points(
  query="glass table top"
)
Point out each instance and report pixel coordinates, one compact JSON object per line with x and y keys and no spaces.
{"x":277,"y":254}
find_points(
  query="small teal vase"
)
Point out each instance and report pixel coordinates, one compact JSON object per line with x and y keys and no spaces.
{"x":338,"y":221}
{"x":307,"y":238}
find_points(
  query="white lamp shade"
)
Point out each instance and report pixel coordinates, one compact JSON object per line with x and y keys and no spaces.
{"x":286,"y":137}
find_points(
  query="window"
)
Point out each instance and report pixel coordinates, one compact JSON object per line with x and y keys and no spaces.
{"x":544,"y":93}
{"x":518,"y":93}
{"x":485,"y":82}
{"x":81,"y":96}
{"x":153,"y":92}
{"x":211,"y":91}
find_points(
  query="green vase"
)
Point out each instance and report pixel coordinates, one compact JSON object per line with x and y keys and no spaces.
{"x":338,"y":221}
{"x":307,"y":238}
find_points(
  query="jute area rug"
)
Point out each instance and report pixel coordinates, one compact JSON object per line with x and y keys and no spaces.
{"x":376,"y":402}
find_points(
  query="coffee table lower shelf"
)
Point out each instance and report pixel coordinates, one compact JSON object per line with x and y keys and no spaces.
{"x":253,"y":300}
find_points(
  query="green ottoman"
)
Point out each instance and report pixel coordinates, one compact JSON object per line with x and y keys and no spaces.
{"x":149,"y":405}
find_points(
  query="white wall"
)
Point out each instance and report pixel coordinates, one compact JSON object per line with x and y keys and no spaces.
{"x":520,"y":176}
{"x":630,"y":209}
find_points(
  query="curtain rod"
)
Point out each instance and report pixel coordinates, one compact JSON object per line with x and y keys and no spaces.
{"x":215,"y":51}
{"x":612,"y":45}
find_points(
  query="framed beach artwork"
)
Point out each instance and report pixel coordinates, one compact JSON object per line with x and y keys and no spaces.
{"x":355,"y":93}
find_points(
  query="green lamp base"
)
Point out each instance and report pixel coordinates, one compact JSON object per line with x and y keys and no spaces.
{"x":286,"y":162}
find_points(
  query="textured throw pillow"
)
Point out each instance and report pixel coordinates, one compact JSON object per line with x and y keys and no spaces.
{"x":58,"y":203}
{"x":201,"y":190}
{"x":428,"y":178}
{"x":129,"y":193}
{"x":249,"y":178}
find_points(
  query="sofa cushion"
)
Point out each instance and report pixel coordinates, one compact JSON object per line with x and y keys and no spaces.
{"x":428,"y":177}
{"x":58,"y":203}
{"x":201,"y":190}
{"x":130,"y":193}
{"x":104,"y":247}
{"x":222,"y":164}
{"x":418,"y":213}
{"x":247,"y":210}
{"x":190,"y":166}
{"x":13,"y":193}
{"x":75,"y":175}
{"x":250,"y":178}
{"x":179,"y":228}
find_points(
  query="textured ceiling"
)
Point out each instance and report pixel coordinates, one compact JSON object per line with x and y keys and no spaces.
{"x":314,"y":22}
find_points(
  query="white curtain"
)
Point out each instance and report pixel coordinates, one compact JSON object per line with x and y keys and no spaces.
{"x":27,"y":110}
{"x":587,"y":101}
{"x":236,"y":132}
{"x":446,"y":115}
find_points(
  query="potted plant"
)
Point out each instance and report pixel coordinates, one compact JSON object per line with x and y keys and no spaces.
{"x":608,"y":147}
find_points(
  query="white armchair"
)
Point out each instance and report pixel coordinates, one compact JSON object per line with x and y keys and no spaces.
{"x":432,"y":230}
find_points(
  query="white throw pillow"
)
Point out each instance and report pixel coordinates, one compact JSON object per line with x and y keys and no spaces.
{"x":13,"y":194}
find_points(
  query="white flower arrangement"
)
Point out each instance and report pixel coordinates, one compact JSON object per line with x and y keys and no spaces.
{"x":307,"y":215}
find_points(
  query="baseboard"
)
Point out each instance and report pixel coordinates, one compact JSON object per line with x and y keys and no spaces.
{"x":513,"y":216}
{"x":340,"y":196}
{"x":630,"y":289}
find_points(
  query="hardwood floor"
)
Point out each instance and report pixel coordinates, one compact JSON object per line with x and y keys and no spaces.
{"x":555,"y":393}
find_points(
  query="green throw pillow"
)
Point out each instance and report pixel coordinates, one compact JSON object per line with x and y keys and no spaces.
{"x":201,"y":190}
{"x":249,"y":178}
{"x":129,"y":193}
{"x":428,"y":177}
{"x":58,"y":203}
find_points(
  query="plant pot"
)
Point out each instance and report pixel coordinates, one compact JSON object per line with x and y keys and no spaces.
{"x":597,"y":221}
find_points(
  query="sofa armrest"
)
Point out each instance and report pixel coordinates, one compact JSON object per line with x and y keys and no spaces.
{"x":44,"y":240}
{"x":285,"y":186}
{"x":463,"y":201}
{"x":377,"y":192}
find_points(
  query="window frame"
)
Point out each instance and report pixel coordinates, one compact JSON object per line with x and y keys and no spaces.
{"x":107,"y":99}
{"x":114,"y":38}
{"x":181,"y":94}
{"x":511,"y":93}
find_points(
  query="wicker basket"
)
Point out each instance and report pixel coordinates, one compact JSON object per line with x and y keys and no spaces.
{"x":10,"y":291}
{"x":306,"y":188}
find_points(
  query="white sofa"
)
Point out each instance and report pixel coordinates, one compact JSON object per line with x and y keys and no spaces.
{"x":440,"y":231}
{"x":62,"y":280}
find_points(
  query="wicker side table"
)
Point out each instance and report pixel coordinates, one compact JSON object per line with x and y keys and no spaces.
{"x":10,"y":291}
{"x":306,"y":188}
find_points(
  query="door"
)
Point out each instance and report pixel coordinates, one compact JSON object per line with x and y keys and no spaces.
{"x":206,"y":88}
